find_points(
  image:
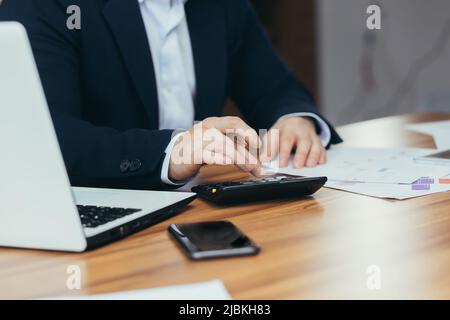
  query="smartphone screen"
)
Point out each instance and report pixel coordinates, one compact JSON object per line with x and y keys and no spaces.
{"x":212,"y":240}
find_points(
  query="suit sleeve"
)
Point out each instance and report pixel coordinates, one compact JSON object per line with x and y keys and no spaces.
{"x":94,"y":156}
{"x":263,"y":87}
{"x":7,"y":10}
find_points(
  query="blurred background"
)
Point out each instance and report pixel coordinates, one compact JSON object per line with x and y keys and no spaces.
{"x":356,"y":73}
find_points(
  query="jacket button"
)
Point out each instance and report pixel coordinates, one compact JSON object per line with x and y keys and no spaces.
{"x":125,"y":166}
{"x":135,"y":165}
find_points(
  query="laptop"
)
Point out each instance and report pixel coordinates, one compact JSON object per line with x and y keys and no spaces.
{"x":38,"y":207}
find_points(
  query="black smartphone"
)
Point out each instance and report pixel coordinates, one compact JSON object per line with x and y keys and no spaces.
{"x":207,"y":240}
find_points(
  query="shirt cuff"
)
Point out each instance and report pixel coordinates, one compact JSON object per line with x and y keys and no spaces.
{"x":325,"y":131}
{"x":165,"y":167}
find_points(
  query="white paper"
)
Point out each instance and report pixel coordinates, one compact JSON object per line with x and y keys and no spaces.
{"x":387,"y":190}
{"x":210,"y":290}
{"x":369,"y":165}
{"x":440,"y":130}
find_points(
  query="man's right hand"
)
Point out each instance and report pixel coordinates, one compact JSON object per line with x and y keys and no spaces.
{"x":216,"y":140}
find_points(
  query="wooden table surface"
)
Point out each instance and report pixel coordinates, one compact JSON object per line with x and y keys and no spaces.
{"x":319,"y":247}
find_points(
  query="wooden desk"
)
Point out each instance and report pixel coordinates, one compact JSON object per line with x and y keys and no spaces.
{"x":314,"y":248}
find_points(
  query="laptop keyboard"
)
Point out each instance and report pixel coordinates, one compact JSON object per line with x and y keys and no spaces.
{"x":93,"y":216}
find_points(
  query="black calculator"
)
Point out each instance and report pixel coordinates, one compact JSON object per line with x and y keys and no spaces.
{"x":271,"y":188}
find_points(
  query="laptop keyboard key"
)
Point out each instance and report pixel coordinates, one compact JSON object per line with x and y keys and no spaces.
{"x":93,"y":216}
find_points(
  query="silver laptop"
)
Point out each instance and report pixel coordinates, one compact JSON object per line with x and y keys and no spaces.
{"x":38,"y":207}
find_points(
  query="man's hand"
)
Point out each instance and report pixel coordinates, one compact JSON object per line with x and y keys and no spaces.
{"x":229,"y":140}
{"x":216,"y":140}
{"x":295,"y":134}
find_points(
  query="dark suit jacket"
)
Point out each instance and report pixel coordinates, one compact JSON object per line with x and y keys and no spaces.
{"x":101,"y":89}
{"x":7,"y":10}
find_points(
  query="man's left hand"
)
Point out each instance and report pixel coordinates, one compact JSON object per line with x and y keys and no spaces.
{"x":296,"y":135}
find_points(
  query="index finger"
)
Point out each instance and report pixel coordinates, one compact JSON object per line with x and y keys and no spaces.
{"x":237,"y":126}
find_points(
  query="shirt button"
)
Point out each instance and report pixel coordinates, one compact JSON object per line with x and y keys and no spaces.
{"x":125,"y":166}
{"x":135,"y":165}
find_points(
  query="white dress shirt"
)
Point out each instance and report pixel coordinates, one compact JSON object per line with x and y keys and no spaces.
{"x":170,"y":44}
